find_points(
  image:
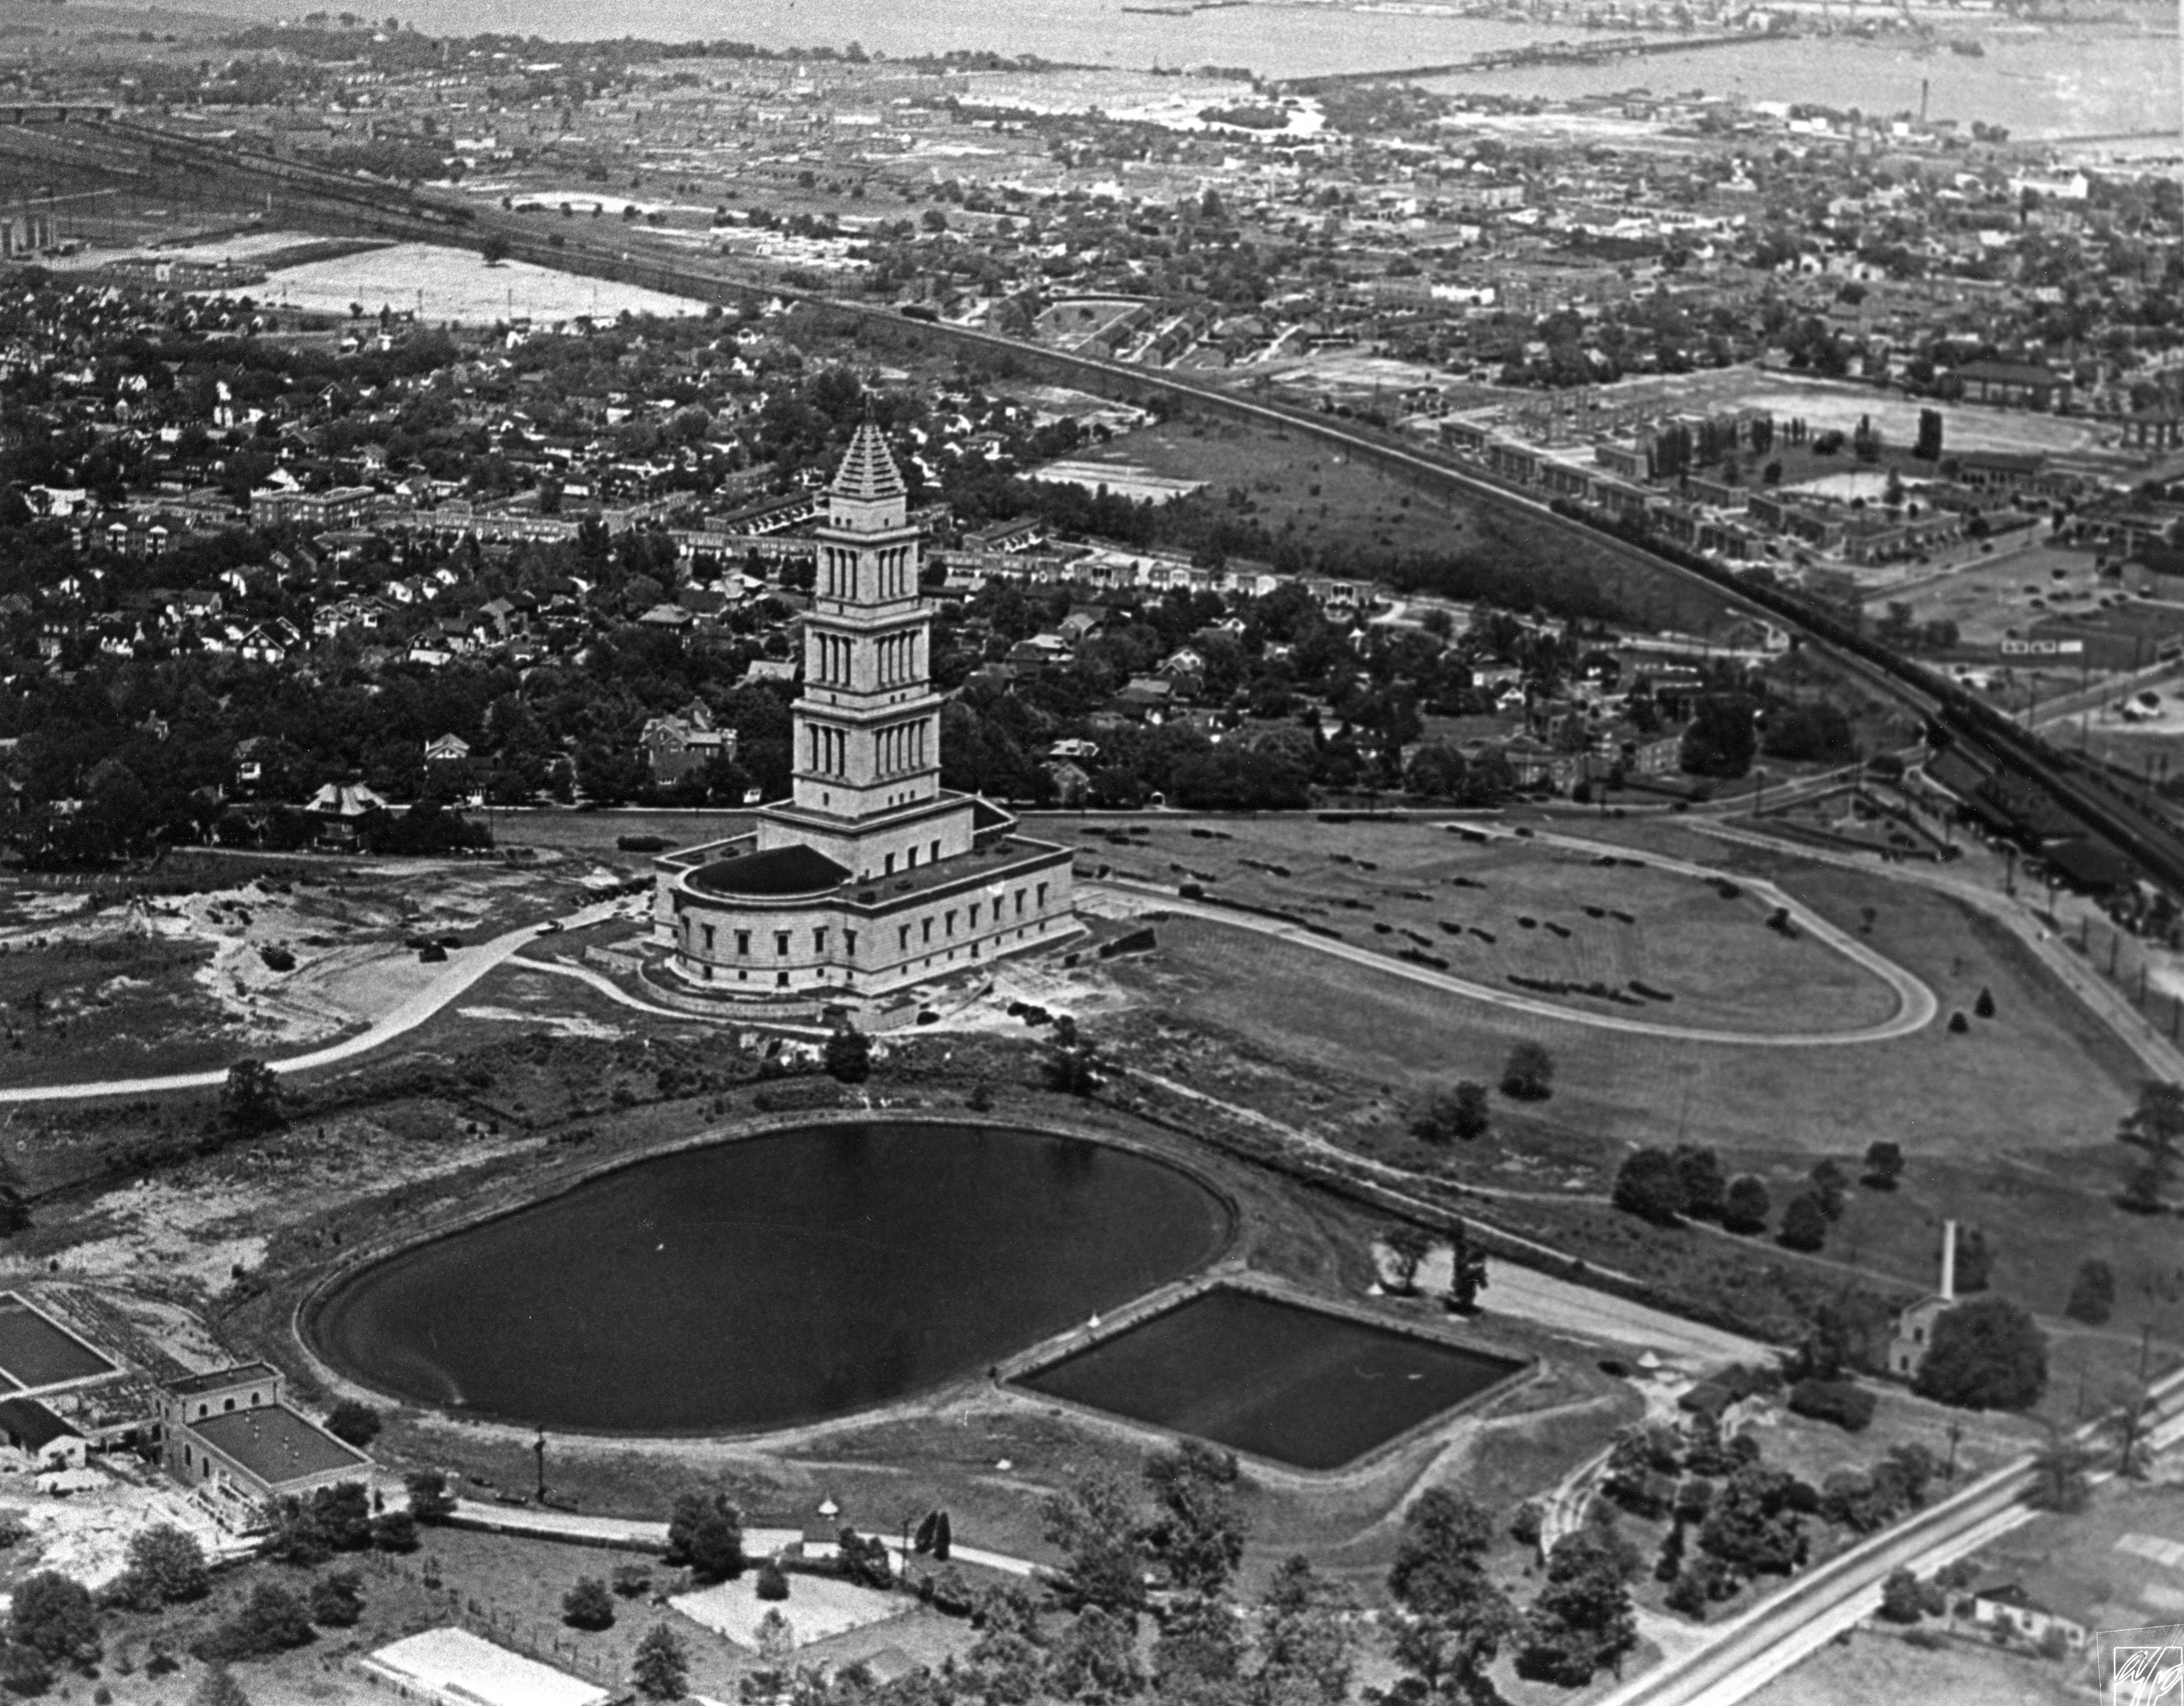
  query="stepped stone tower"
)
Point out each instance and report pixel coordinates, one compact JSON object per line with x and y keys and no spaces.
{"x":871,"y":877}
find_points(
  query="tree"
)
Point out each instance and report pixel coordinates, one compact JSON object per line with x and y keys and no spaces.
{"x":1307,"y":1641}
{"x":1094,"y":1523}
{"x":354,"y":1422}
{"x":54,"y":1615}
{"x":337,"y":1600}
{"x":706,"y":1534}
{"x":165,"y":1564}
{"x":1071,"y":1063}
{"x":429,"y":1499}
{"x":1705,"y":1189}
{"x":1984,"y":1355}
{"x":1974,"y":1261}
{"x":1983,"y":1006}
{"x":1197,"y":1532}
{"x":2129,"y":1424}
{"x":2156,"y":1127}
{"x":1745,"y":1207}
{"x":772,"y":1582}
{"x":1460,"y":1113}
{"x":1928,"y":449}
{"x":2093,"y":1293}
{"x":1467,"y":1275}
{"x":1884,"y":1165}
{"x":1805,"y":1227}
{"x":1650,"y":1185}
{"x":1721,"y":738}
{"x":1902,"y":1599}
{"x":661,"y":1668}
{"x":1529,"y":1073}
{"x":495,"y":248}
{"x":2059,"y":1476}
{"x":1459,"y":1617}
{"x":1582,"y":1620}
{"x":273,"y":1620}
{"x":394,"y":1531}
{"x":849,"y":1054}
{"x":1830,"y":1187}
{"x":250,"y":1100}
{"x":1407,"y":1247}
{"x":590,"y":1605}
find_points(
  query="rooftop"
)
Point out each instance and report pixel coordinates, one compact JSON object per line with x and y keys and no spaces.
{"x":37,"y":1352}
{"x":868,"y":474}
{"x":220,"y":1379}
{"x":454,"y":1663}
{"x":779,"y":872}
{"x":277,"y":1445}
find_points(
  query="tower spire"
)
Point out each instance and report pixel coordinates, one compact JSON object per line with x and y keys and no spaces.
{"x":868,"y":474}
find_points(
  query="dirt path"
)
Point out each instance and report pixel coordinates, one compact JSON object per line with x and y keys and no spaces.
{"x":465,"y":967}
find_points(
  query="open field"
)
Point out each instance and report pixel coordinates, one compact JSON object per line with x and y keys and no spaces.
{"x":1293,"y":484}
{"x":207,"y":959}
{"x":1874,"y":1666}
{"x":1823,"y":404}
{"x":2117,"y":1564}
{"x":2010,"y":1083}
{"x":1495,"y":912}
{"x":454,"y":285}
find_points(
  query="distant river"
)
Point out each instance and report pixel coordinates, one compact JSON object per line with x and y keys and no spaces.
{"x":2036,"y":84}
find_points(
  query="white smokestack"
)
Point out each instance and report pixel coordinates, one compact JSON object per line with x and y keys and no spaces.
{"x":1948,"y":1261}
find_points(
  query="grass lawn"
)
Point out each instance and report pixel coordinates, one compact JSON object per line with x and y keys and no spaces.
{"x":1359,"y":520}
{"x":1869,"y":1665}
{"x":2013,"y":1082}
{"x":1509,"y":908}
{"x":118,"y":1006}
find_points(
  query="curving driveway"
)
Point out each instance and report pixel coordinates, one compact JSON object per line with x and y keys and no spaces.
{"x":472,"y":965}
{"x":1916,"y":1005}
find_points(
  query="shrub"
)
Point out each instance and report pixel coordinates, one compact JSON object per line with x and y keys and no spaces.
{"x":1902,"y":1598}
{"x":1958,"y":1024}
{"x":357,"y":1423}
{"x":1884,"y":1165}
{"x":588,"y":1605}
{"x":1529,"y":1073}
{"x":337,"y":1600}
{"x":394,"y":1531}
{"x":773,"y":1581}
{"x":633,"y":1581}
{"x":2093,"y":1293}
{"x":1983,"y":1006}
{"x":1846,"y":1403}
{"x":273,"y":1621}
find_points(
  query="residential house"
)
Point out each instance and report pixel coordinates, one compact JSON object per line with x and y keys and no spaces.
{"x":674,"y":746}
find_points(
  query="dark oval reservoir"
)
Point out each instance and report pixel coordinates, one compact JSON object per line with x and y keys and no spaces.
{"x":771,"y":1281}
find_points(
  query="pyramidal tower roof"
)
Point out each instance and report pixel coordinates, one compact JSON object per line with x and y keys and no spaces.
{"x":868,"y":474}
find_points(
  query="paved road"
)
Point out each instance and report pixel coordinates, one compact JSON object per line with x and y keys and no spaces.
{"x":465,"y":967}
{"x":1915,"y":1004}
{"x":1749,"y":1650}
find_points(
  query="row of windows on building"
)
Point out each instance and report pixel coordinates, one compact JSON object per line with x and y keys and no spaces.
{"x":896,"y":750}
{"x":896,"y":577}
{"x":783,"y":940}
{"x":819,"y":975}
{"x":833,"y":660}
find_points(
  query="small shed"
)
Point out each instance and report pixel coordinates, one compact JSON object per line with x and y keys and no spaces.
{"x":35,"y":1430}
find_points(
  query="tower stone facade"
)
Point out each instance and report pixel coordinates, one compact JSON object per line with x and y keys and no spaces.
{"x":872,"y":876}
